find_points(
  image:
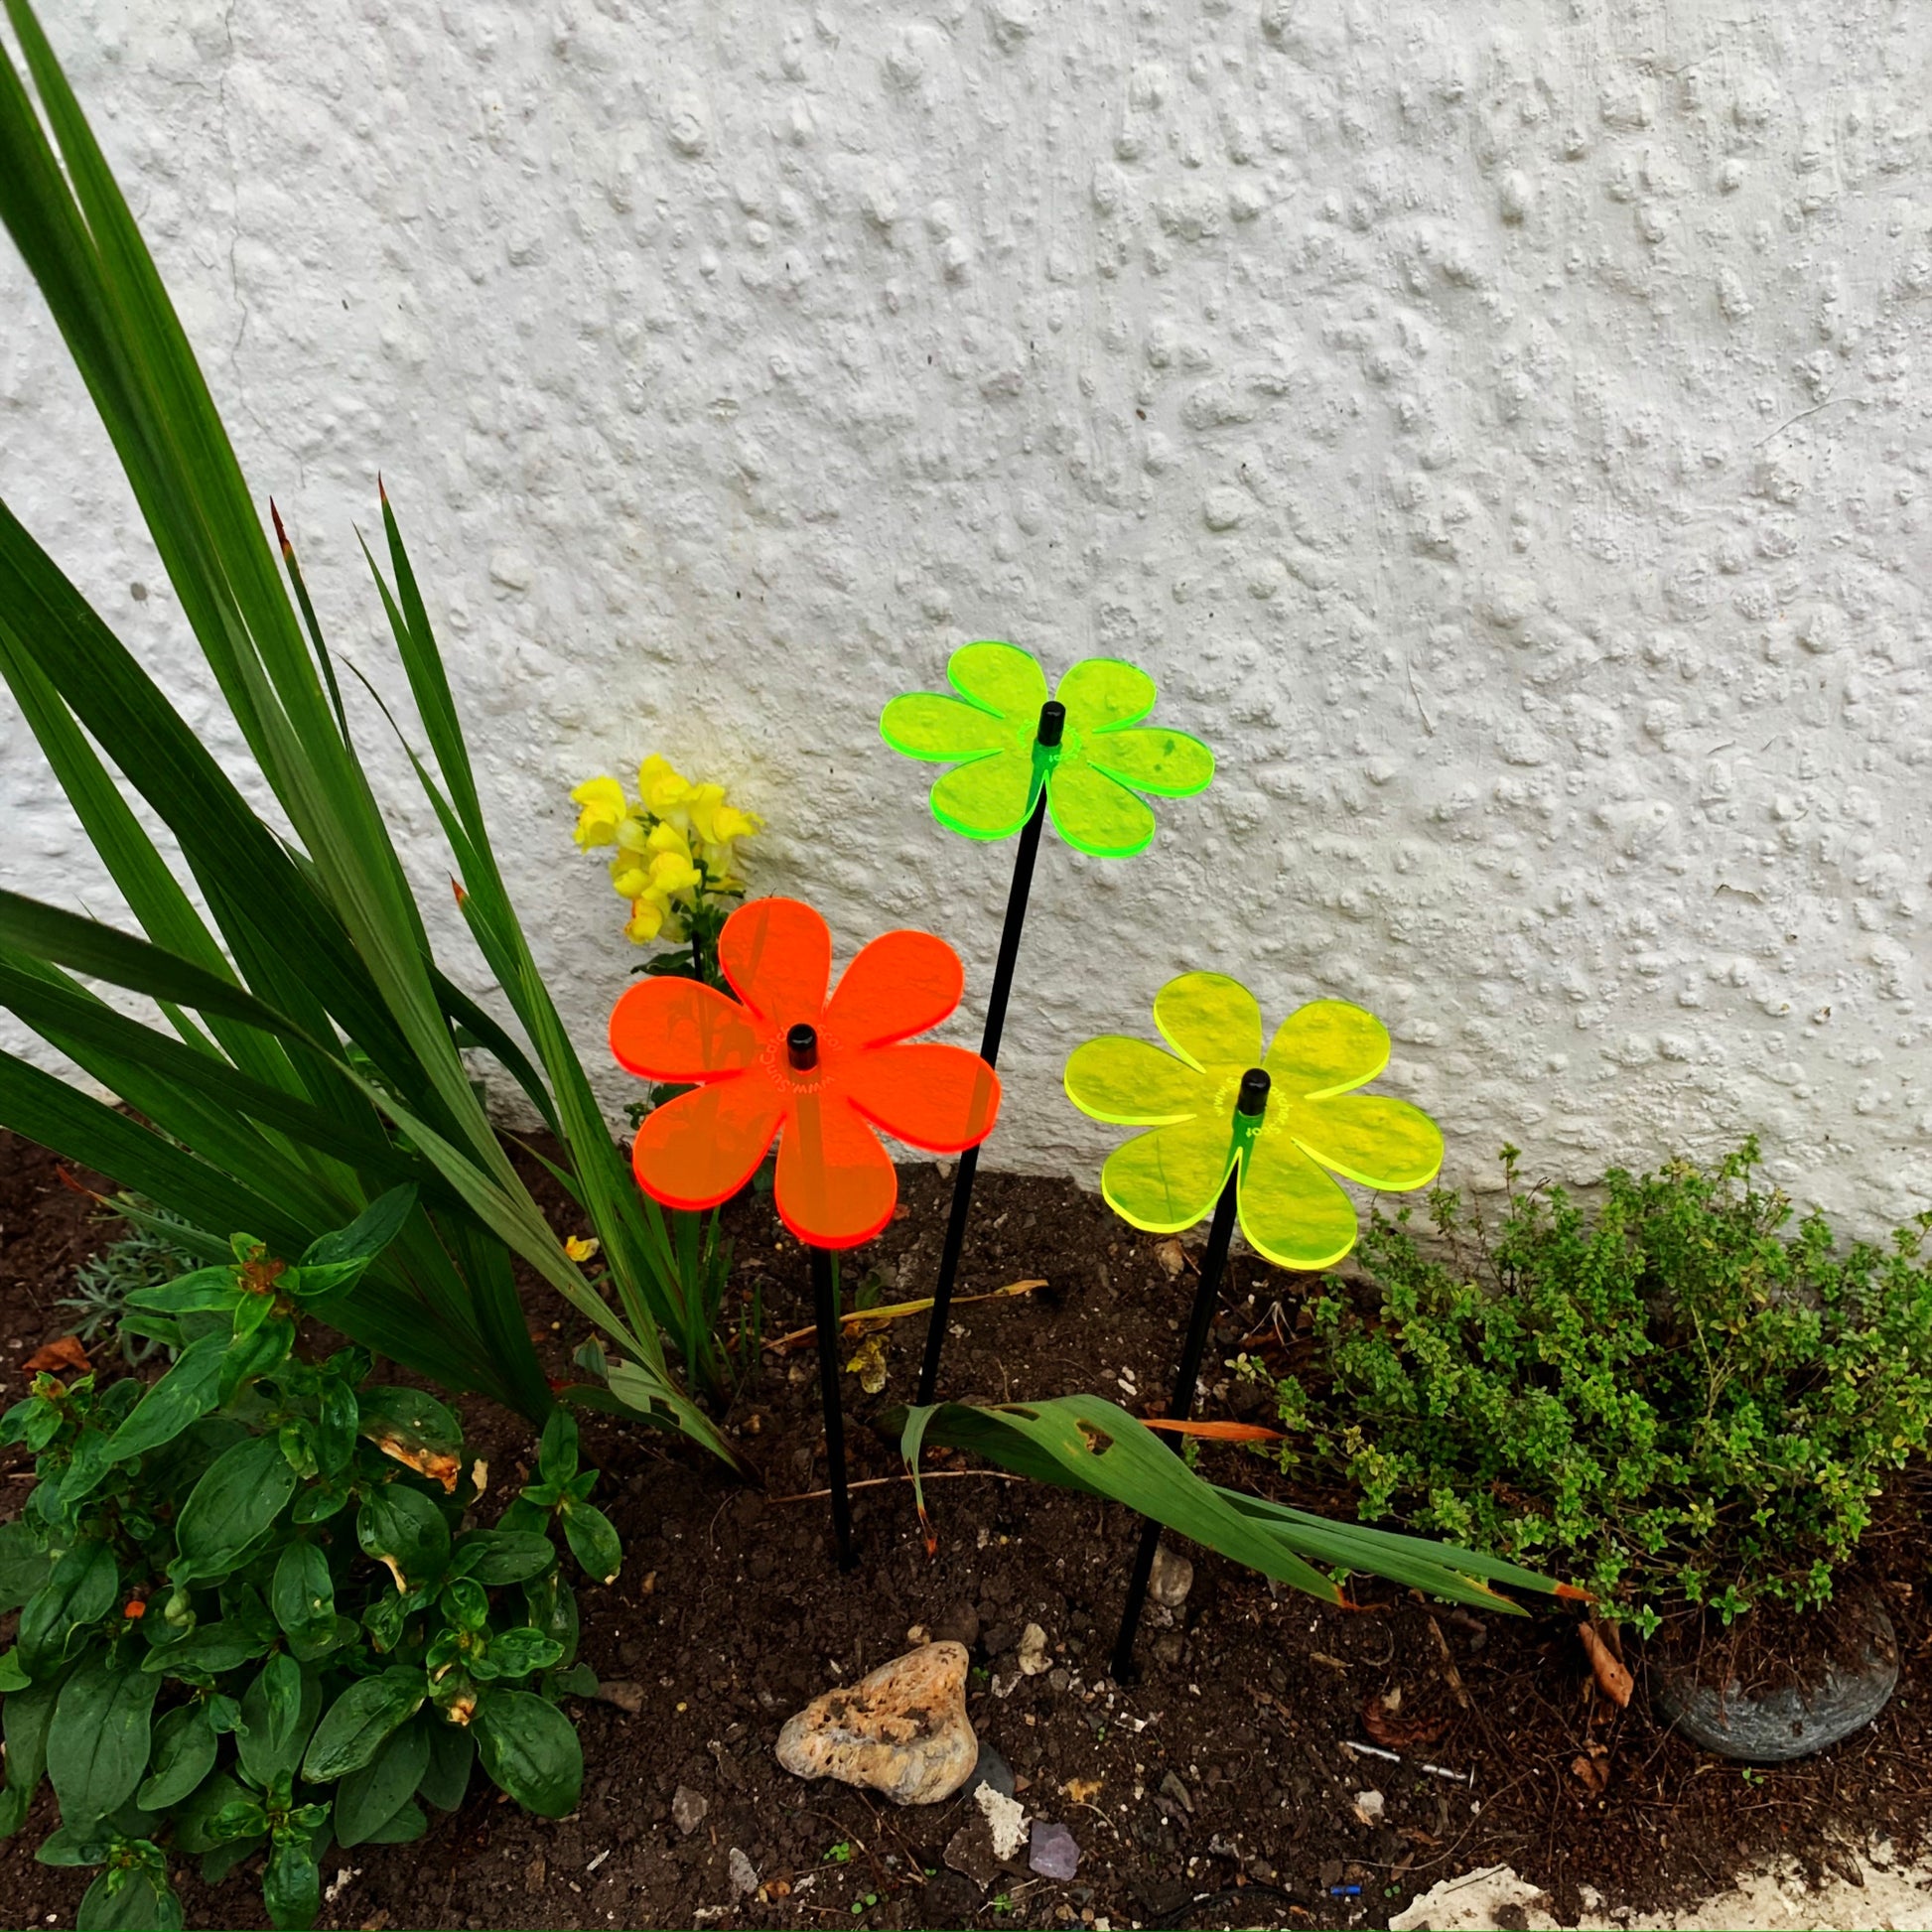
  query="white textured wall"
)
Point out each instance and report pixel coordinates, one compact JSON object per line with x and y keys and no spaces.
{"x":1501,"y":424}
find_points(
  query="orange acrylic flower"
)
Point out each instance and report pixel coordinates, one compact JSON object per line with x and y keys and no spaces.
{"x":822,"y":1074}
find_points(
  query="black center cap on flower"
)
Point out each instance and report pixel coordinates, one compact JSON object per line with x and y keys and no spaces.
{"x":802,"y":1046}
{"x":1253,"y":1092}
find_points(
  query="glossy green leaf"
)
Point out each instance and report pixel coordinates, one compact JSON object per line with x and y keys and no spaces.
{"x":207,"y":1651}
{"x":452,"y":1754}
{"x":230,"y":1506}
{"x":24,"y":1716}
{"x":98,"y":1747}
{"x":81,"y":1590}
{"x":497,"y":1557}
{"x":24,"y":1567}
{"x":368,"y":1799}
{"x":529,"y":1750}
{"x":302,"y":1593}
{"x":593,"y":1540}
{"x":184,"y":1394}
{"x":139,"y":1902}
{"x":355,"y":1724}
{"x":292,"y":1881}
{"x":402,"y":1527}
{"x":279,"y":1709}
{"x":183,"y":1754}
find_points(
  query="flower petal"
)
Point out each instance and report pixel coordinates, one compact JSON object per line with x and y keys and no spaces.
{"x":1001,"y":677}
{"x":778,"y":955}
{"x":678,"y":1030}
{"x":1326,"y":1047}
{"x":899,"y":984}
{"x":926,"y":725}
{"x":703,"y":1147}
{"x":987,"y":799}
{"x":1150,"y":758}
{"x":1168,"y":1179}
{"x":1372,"y":1138}
{"x":836,"y":1186}
{"x":926,"y":1094}
{"x":1211,"y":1020}
{"x":1094,"y":814}
{"x":1103,"y":691}
{"x":1291,"y":1211}
{"x":1134,"y":1082}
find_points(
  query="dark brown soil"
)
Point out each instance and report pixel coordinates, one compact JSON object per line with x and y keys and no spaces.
{"x":1219,"y":1790}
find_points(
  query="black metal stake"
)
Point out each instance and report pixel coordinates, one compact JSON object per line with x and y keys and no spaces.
{"x":1253,"y":1101}
{"x":825,"y":1300}
{"x":801,"y":1050}
{"x":1052,"y":722}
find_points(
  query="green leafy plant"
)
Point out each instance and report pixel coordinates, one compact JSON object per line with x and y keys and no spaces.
{"x":252,"y":1618}
{"x":144,"y":1258}
{"x":311,"y":1050}
{"x":1086,"y":1444}
{"x":1677,"y":1394}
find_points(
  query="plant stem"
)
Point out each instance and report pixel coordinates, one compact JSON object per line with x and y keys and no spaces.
{"x":1219,"y":1233}
{"x":825,"y":1299}
{"x":996,"y":1020}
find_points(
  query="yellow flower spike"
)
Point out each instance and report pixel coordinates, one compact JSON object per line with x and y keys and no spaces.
{"x":1314,"y":1124}
{"x":645,"y":922}
{"x":661,"y":789}
{"x":633,"y":835}
{"x":672,"y":872}
{"x":668,"y":839}
{"x":629,"y":875}
{"x":605,"y":808}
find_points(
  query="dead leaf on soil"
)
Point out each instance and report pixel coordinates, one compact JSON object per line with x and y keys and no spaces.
{"x":869,"y":1365}
{"x":1173,"y":1257}
{"x":1613,"y":1679}
{"x":67,"y":1353}
{"x":1593,"y":1767}
{"x":1082,"y":1791}
{"x":1396,"y":1733}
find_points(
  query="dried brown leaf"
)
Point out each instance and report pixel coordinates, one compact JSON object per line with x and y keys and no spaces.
{"x":66,"y":1353}
{"x":1613,"y":1679}
{"x":1394,"y":1733}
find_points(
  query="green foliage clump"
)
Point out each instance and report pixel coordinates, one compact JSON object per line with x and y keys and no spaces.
{"x":146,"y":1257}
{"x":1675,"y":1396}
{"x":251,"y":1619}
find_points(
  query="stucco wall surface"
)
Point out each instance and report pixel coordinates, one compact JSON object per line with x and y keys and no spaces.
{"x":1500,"y":424}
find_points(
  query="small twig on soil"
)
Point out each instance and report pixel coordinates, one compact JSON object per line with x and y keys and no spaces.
{"x":856,"y":1319}
{"x":1450,"y":1675}
{"x":879,"y":1483}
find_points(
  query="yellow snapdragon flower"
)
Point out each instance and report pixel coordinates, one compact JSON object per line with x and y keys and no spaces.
{"x":674,"y":845}
{"x":605,"y":812}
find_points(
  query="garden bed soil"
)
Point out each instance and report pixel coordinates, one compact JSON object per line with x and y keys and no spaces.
{"x":1218,"y":1790}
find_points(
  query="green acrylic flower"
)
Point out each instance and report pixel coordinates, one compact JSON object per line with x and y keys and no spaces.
{"x":990,"y":734}
{"x":1314,"y":1124}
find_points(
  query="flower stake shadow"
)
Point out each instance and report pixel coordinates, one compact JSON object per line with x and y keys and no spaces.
{"x":1237,"y":1133}
{"x":1085,"y":756}
{"x":820,"y":1074}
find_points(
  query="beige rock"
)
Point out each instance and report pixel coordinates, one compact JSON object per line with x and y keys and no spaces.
{"x":901,"y":1730}
{"x":1171,"y":1579}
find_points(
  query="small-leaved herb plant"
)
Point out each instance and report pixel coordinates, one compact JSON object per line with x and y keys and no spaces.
{"x":144,"y":1257}
{"x":253,"y":1623}
{"x":1674,"y":1397}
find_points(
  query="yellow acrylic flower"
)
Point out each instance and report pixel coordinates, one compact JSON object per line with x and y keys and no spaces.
{"x":1292,"y":1211}
{"x":604,"y":810}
